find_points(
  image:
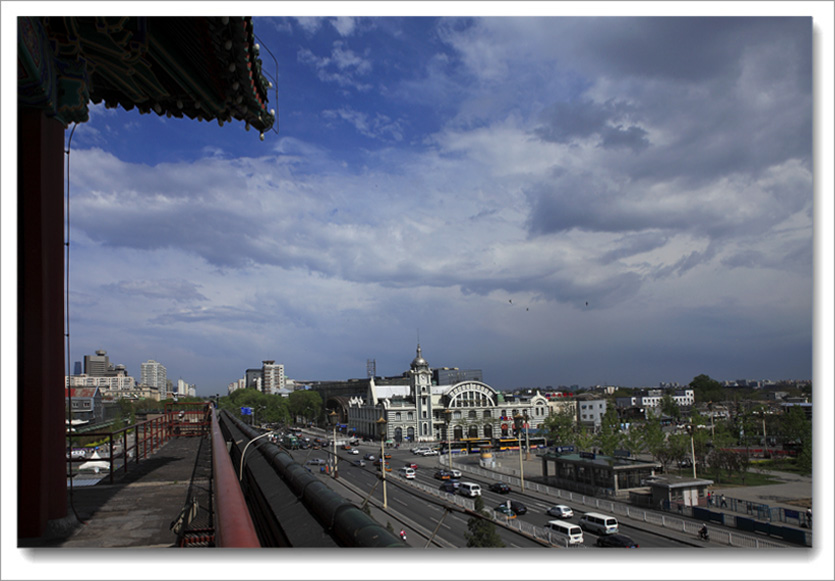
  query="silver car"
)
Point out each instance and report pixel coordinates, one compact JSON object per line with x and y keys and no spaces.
{"x":560,"y":511}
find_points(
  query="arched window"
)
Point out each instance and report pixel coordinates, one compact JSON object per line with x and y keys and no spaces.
{"x":397,"y":417}
{"x":471,"y":415}
{"x":410,"y":416}
{"x":472,"y":432}
{"x":458,"y":433}
{"x":488,"y":431}
{"x":488,"y":414}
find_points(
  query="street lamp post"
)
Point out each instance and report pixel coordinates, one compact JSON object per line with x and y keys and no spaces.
{"x":518,"y":421}
{"x":381,"y":429}
{"x":527,"y":439}
{"x":448,"y":419}
{"x":241,"y":469}
{"x":333,"y":418}
{"x":691,"y":428}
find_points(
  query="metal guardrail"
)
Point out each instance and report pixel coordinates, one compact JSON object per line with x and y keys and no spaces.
{"x":233,"y":524}
{"x":466,"y":503}
{"x":137,"y":441}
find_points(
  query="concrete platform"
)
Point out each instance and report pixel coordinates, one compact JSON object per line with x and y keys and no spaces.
{"x":139,"y":508}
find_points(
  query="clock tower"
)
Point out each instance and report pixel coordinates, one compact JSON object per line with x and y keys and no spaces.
{"x":420,"y":378}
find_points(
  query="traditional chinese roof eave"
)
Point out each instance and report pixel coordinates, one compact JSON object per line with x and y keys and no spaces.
{"x":205,"y":68}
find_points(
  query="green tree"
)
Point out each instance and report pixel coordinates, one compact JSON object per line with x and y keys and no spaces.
{"x":796,"y":429}
{"x":481,"y":531}
{"x":127,"y":410}
{"x":633,"y":438}
{"x":305,"y":404}
{"x":609,"y":438}
{"x":669,"y":407}
{"x":561,"y":427}
{"x":654,"y":439}
{"x":706,"y":389}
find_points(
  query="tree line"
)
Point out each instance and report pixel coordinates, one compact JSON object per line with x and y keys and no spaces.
{"x":722,"y":446}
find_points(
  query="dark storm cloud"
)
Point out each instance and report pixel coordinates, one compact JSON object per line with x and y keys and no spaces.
{"x":690,"y":49}
{"x":566,"y":121}
{"x":713,"y":118}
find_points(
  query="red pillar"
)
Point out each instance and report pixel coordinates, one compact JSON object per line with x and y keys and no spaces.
{"x":42,"y":487}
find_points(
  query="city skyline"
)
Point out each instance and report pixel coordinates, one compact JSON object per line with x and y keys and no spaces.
{"x":552,"y":200}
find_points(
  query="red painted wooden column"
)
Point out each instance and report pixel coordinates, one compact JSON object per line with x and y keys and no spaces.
{"x":42,"y":487}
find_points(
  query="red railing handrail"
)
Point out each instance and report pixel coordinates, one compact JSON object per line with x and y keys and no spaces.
{"x":233,"y":524}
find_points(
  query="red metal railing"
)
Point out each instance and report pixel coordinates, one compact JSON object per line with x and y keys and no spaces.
{"x":233,"y":525}
{"x":188,"y":418}
{"x":136,"y":442}
{"x":147,"y":437}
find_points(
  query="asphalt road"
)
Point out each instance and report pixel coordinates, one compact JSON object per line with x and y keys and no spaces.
{"x":426,"y":511}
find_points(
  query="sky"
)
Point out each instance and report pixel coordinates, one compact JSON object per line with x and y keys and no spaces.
{"x":554,"y":201}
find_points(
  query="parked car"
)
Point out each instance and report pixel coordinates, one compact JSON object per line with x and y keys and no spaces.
{"x":616,"y":540}
{"x":500,"y":487}
{"x":560,"y":511}
{"x":502,"y":509}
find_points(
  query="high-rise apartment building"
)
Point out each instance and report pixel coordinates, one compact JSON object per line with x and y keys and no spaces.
{"x":272,"y":375}
{"x":153,"y":374}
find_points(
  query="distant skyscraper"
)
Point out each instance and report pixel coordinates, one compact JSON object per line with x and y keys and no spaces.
{"x":153,"y":374}
{"x":98,"y":364}
{"x":77,"y":369}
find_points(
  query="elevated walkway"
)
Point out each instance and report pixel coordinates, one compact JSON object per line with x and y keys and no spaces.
{"x":137,"y":510}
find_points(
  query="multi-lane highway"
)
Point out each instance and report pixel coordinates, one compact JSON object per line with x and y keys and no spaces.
{"x":427,"y":511}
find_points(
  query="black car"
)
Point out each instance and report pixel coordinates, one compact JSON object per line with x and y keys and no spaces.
{"x":616,"y":540}
{"x":518,"y":507}
{"x":449,"y":486}
{"x":500,"y":487}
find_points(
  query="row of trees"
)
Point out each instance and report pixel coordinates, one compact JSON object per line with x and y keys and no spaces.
{"x":300,"y":406}
{"x":717,"y":445}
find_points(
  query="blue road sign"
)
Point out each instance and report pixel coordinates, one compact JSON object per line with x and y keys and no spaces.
{"x":246,"y":411}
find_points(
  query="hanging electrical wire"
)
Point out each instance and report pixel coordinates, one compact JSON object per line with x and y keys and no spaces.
{"x":68,"y":387}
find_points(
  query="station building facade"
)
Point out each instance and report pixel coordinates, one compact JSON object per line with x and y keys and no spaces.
{"x":422,"y":411}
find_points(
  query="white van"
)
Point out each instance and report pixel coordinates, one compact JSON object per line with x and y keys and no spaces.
{"x":407,"y":472}
{"x":566,"y":532}
{"x":470,"y":489}
{"x":599,"y":523}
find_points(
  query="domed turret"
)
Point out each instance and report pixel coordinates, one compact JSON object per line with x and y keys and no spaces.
{"x":419,"y":361}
